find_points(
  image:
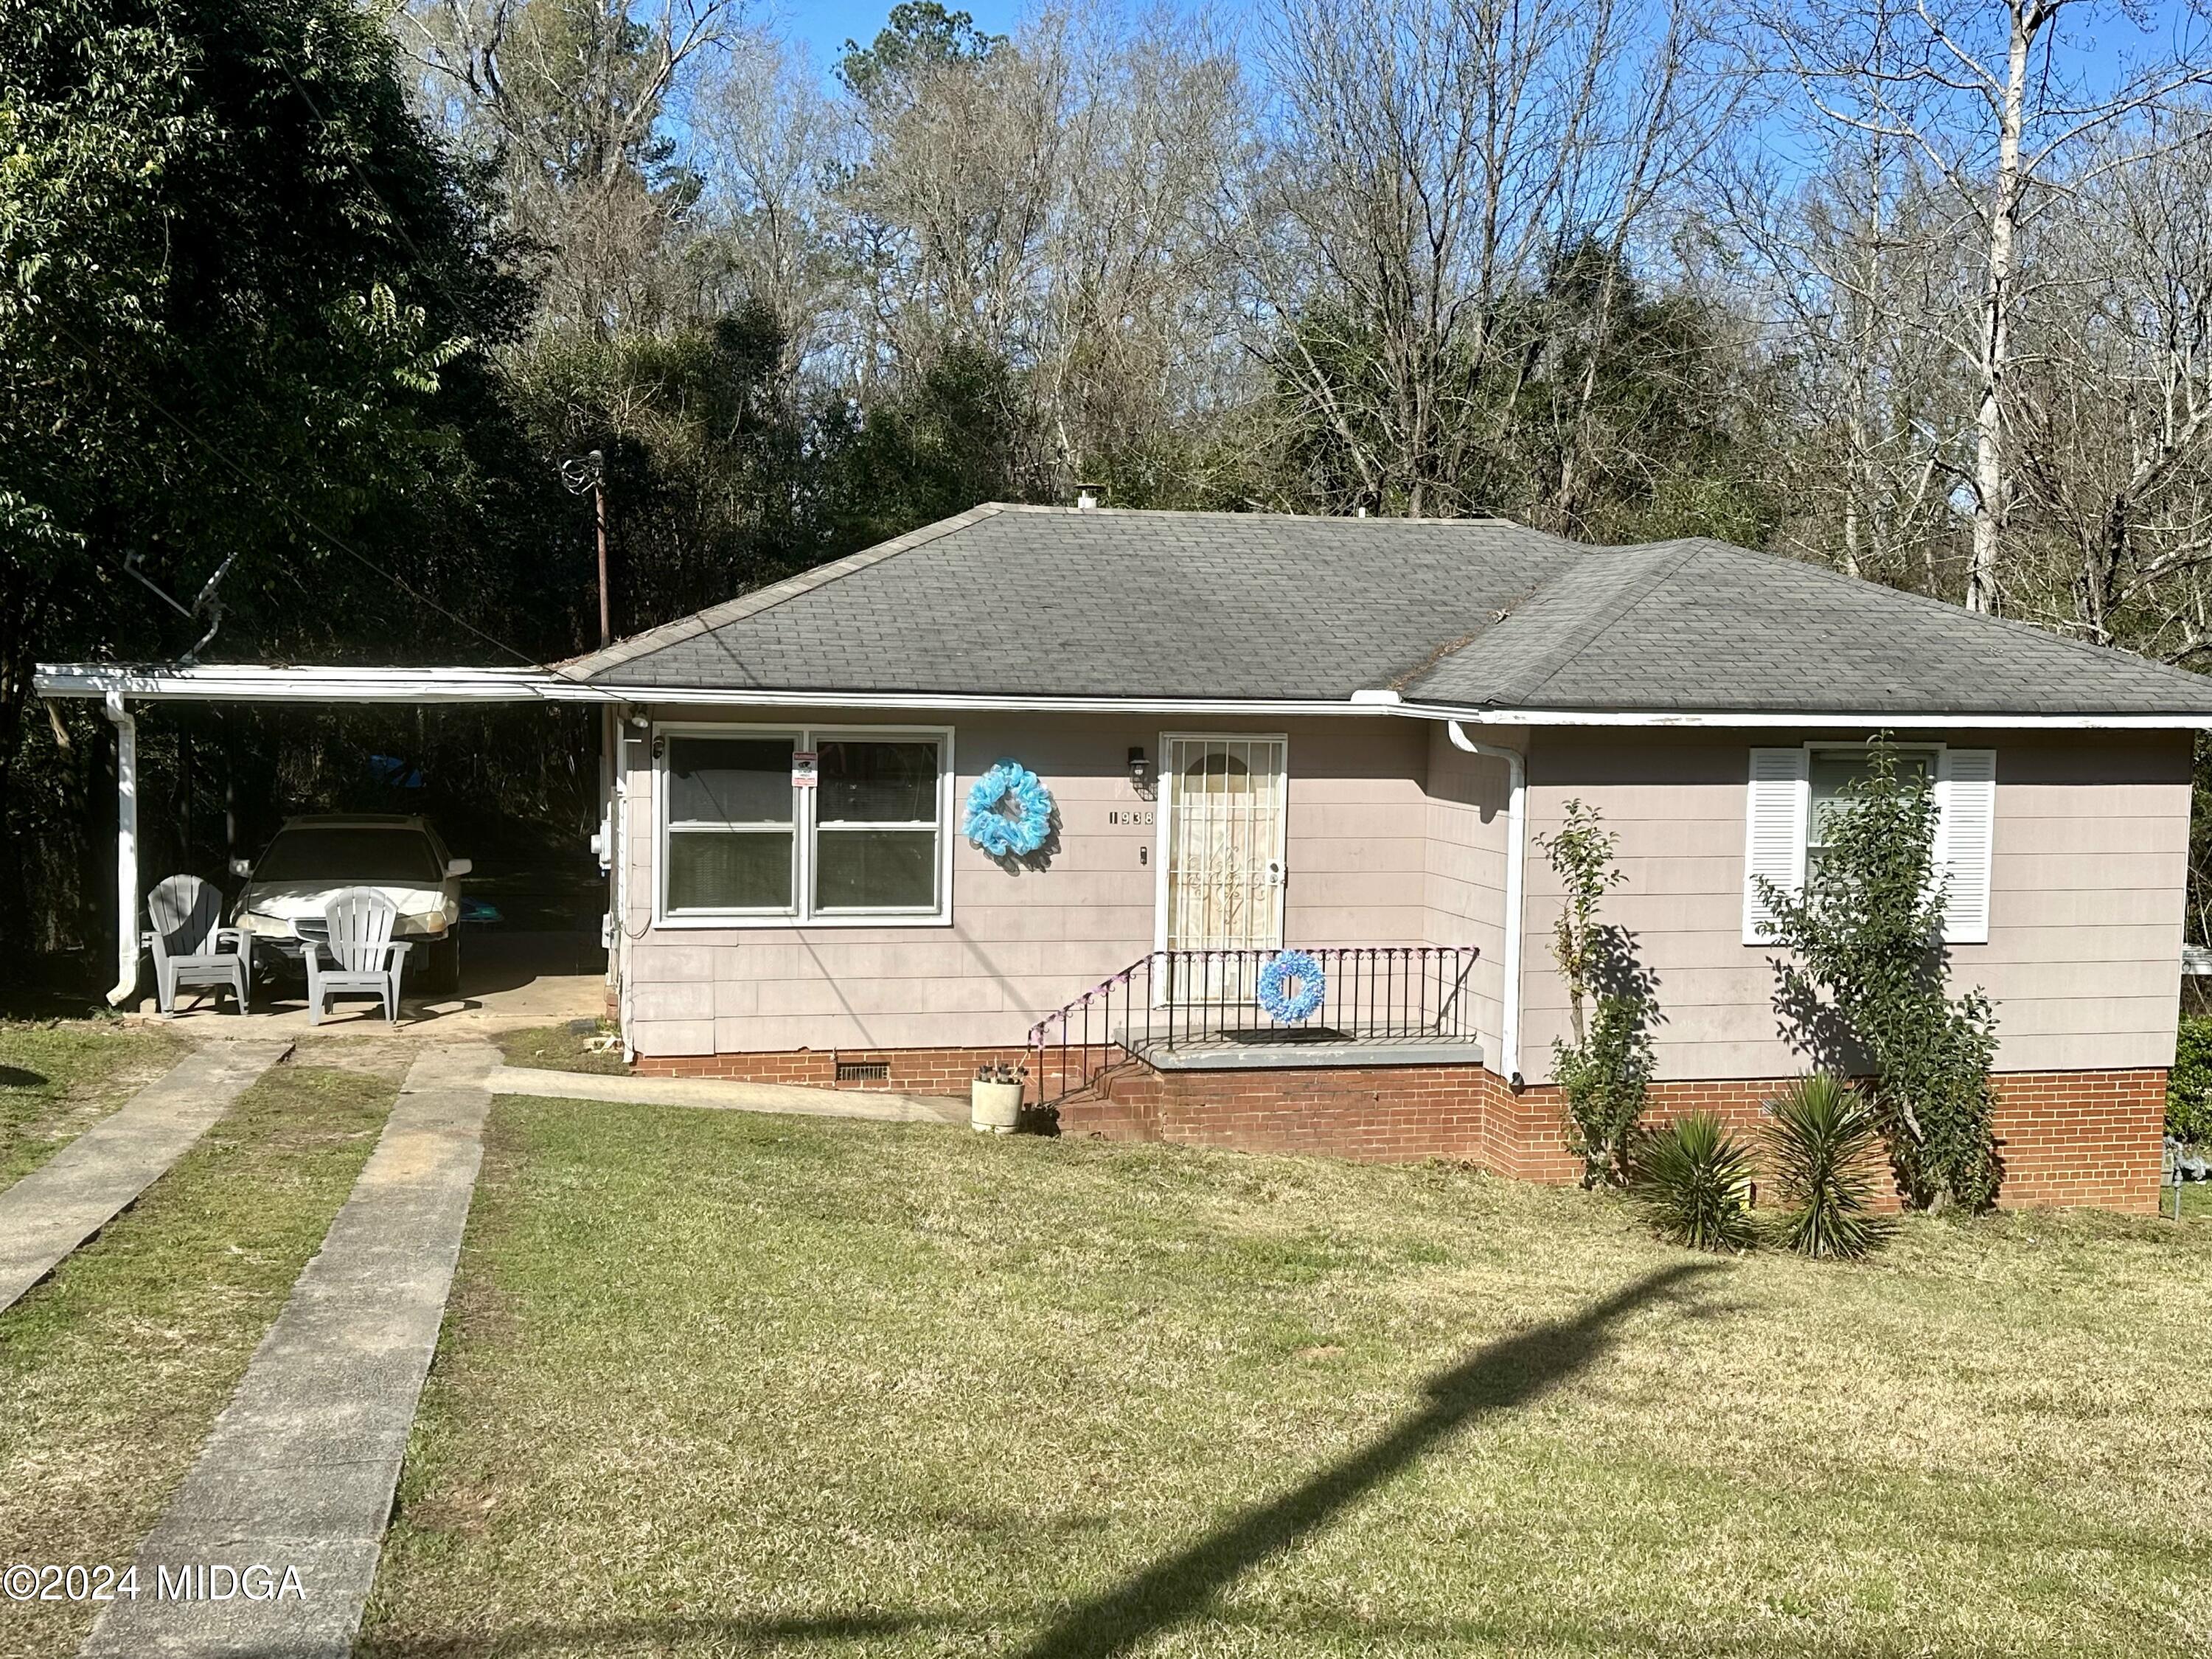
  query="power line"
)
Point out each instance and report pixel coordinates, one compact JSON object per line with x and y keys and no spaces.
{"x":268,"y":484}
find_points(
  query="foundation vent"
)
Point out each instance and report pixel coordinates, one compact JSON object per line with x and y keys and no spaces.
{"x":864,"y":1071}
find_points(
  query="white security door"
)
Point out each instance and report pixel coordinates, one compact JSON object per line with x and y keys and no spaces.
{"x":1222,"y":842}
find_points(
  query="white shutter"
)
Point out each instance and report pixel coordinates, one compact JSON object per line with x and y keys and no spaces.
{"x":1965,"y":826}
{"x":1774,"y":833}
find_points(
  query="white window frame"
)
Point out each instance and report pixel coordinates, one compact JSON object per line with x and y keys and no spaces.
{"x":805,"y":823}
{"x":1938,"y":780}
{"x":1816,"y":746}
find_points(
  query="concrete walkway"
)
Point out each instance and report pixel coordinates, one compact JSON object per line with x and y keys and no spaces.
{"x":83,"y":1188}
{"x":718,"y":1095}
{"x":300,"y":1468}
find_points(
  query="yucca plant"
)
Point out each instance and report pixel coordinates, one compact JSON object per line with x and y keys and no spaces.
{"x":1692,"y":1178}
{"x":1821,"y":1141}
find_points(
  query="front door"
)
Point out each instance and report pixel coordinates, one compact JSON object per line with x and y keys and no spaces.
{"x":1221,"y":853}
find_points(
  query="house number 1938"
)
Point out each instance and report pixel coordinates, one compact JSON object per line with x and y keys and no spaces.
{"x":1131,"y":817}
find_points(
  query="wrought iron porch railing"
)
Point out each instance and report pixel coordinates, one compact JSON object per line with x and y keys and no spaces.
{"x":1182,"y":999}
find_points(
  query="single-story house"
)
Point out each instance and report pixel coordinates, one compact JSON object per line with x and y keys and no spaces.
{"x":1240,"y":733}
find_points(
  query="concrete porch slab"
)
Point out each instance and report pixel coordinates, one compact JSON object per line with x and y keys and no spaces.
{"x":1224,"y":1055}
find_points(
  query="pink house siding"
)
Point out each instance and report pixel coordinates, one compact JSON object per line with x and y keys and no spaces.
{"x":2090,"y":867}
{"x":1465,"y":873}
{"x":1394,"y":837}
{"x":1020,"y":945}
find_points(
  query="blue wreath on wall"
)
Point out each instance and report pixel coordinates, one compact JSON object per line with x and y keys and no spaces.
{"x":1292,"y":988}
{"x":1009,"y":811}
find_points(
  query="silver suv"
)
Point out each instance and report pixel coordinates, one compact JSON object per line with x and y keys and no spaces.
{"x":402,"y":858}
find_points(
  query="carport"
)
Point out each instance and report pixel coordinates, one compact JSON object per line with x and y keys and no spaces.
{"x":118,"y":687}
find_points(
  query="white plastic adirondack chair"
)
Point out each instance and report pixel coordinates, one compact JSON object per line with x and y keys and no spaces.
{"x":190,"y":946}
{"x":358,"y":956}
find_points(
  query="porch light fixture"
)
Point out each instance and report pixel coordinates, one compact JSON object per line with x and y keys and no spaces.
{"x":1140,"y":769}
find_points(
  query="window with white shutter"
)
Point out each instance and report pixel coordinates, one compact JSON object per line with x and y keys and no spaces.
{"x":1966,"y":799}
{"x":1774,"y":833}
{"x":1794,"y":794}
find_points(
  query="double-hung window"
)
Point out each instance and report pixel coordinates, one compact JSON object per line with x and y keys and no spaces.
{"x":836,"y":826}
{"x":1798,"y":795}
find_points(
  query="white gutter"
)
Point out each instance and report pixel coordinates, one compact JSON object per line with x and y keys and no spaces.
{"x":126,"y":852}
{"x":668,"y":697}
{"x":1517,"y":858}
{"x":254,"y":682}
{"x":251,"y":683}
{"x":1892,"y":719}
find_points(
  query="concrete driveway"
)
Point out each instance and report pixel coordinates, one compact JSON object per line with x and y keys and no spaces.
{"x":508,"y":980}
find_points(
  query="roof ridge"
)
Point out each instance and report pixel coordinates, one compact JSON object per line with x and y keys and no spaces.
{"x":1633,"y":592}
{"x":766,"y":598}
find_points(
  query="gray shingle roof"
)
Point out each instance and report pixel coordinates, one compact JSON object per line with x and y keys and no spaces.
{"x":1049,"y":602}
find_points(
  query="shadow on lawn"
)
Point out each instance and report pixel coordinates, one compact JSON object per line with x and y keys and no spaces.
{"x":1503,"y":1374}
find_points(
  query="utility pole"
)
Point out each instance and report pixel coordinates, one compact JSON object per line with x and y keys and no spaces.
{"x":590,"y":473}
{"x":599,"y":511}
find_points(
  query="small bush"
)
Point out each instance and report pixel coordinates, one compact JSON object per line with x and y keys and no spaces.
{"x":2189,"y":1085}
{"x":1821,"y":1141}
{"x":1603,"y":1084}
{"x":1692,"y":1177}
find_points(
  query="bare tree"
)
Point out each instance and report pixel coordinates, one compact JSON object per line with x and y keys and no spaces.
{"x":768,"y":146}
{"x":2113,"y":407}
{"x":1996,"y":98}
{"x":1852,"y":260}
{"x":575,"y":98}
{"x":1424,"y":159}
{"x":1048,"y":198}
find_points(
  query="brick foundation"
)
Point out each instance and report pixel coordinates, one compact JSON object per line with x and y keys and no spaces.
{"x":905,"y":1071}
{"x":2068,"y":1137}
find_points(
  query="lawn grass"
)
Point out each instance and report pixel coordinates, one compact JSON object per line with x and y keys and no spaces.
{"x":559,"y":1048}
{"x":58,"y":1078}
{"x":715,"y":1383}
{"x":114,"y":1368}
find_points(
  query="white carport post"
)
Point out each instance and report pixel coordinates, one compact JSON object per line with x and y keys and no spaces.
{"x":126,"y":850}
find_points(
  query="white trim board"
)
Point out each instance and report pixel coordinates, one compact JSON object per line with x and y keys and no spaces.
{"x":1893,"y":721}
{"x":252,"y":683}
{"x":258,"y":682}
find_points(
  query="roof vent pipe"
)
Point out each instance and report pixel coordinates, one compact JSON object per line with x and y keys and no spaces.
{"x":1516,"y":794}
{"x":1087,"y":496}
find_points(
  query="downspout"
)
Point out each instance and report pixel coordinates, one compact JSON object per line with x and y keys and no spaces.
{"x":620,"y":953}
{"x":126,"y":852}
{"x":1516,"y":783}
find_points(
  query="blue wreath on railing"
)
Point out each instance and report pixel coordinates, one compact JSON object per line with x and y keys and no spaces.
{"x":1009,"y":811}
{"x":1292,"y":988}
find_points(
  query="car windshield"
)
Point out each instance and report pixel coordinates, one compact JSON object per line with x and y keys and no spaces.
{"x":342,"y":856}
